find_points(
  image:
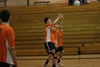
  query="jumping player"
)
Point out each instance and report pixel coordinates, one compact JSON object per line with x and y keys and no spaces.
{"x":50,"y":39}
{"x":7,"y":42}
{"x":59,"y":46}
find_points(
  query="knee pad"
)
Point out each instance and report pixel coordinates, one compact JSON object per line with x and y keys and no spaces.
{"x":52,"y":53}
{"x":54,"y":57}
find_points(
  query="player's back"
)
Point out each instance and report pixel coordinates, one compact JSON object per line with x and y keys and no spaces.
{"x":5,"y":30}
{"x":58,"y":34}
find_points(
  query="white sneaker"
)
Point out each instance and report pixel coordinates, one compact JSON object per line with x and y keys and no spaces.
{"x":60,"y":65}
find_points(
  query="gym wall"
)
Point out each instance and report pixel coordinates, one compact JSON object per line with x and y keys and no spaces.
{"x":24,"y":2}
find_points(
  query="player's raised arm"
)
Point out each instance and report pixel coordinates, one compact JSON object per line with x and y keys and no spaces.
{"x":61,"y":20}
{"x":56,"y":20}
{"x":60,"y":23}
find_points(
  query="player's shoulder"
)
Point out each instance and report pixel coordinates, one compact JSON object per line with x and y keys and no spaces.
{"x":47,"y":25}
{"x":10,"y":29}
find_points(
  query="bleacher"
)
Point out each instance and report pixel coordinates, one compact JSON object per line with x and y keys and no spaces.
{"x":81,"y":25}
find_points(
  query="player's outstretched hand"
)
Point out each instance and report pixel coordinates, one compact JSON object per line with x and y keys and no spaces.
{"x":61,"y":15}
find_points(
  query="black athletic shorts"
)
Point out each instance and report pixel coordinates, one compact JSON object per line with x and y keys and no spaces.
{"x":49,"y":46}
{"x":2,"y":64}
{"x":59,"y":49}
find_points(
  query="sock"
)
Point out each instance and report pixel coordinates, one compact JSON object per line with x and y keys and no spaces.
{"x":58,"y":61}
{"x":47,"y":61}
{"x":54,"y":65}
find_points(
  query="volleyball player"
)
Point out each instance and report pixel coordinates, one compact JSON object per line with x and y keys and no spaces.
{"x":59,"y":45}
{"x":7,"y":42}
{"x":50,"y":39}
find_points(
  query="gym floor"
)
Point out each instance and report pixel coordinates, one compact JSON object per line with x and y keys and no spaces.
{"x":68,"y":61}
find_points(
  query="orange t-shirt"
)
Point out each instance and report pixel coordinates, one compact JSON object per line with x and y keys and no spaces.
{"x":59,"y":37}
{"x":7,"y":40}
{"x":49,"y":35}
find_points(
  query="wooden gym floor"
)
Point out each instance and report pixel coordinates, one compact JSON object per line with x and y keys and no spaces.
{"x":68,"y":61}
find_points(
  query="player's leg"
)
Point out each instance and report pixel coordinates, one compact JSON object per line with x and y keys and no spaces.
{"x":47,"y":46}
{"x":48,"y":59}
{"x":60,"y":55}
{"x":57,"y":53}
{"x":54,"y":58}
{"x":54,"y":55}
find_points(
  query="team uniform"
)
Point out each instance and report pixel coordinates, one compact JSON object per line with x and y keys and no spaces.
{"x":59,"y":37}
{"x":49,"y":37}
{"x":7,"y":40}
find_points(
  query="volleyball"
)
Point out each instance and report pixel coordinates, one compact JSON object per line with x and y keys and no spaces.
{"x":76,"y":3}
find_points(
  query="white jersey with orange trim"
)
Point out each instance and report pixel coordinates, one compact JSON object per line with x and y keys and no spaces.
{"x":7,"y":40}
{"x":49,"y":35}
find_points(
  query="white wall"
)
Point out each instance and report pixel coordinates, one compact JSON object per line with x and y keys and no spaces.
{"x":54,"y":1}
{"x":16,"y":2}
{"x":24,"y":2}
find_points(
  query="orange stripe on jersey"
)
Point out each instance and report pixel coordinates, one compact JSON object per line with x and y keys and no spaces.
{"x":59,"y":37}
{"x":52,"y":33}
{"x":49,"y":35}
{"x":7,"y":38}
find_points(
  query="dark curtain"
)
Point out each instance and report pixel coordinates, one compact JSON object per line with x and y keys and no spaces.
{"x":70,"y":2}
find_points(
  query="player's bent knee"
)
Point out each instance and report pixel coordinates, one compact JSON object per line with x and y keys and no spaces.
{"x":53,"y":51}
{"x":54,"y":57}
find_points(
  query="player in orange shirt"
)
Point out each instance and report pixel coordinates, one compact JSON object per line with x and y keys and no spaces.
{"x":50,"y":39}
{"x":59,"y":45}
{"x":7,"y":42}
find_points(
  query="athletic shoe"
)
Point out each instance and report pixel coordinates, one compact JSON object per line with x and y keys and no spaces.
{"x":60,"y":65}
{"x":45,"y":65}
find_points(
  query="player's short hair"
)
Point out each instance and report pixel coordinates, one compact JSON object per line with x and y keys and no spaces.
{"x":5,"y":15}
{"x":46,"y":19}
